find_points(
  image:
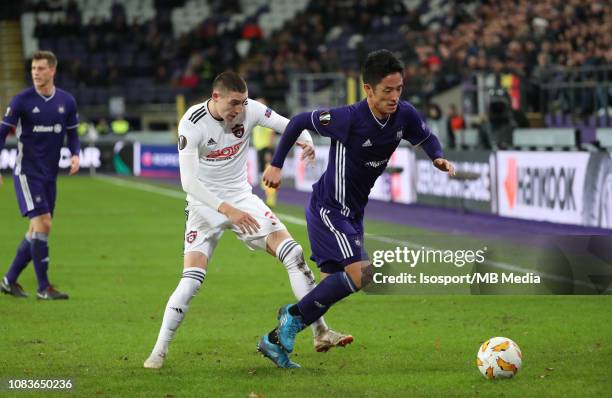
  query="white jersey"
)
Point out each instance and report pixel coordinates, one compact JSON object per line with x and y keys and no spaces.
{"x":222,"y":149}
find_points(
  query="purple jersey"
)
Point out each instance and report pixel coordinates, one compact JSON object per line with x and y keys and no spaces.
{"x":41,"y":125}
{"x":360,"y":148}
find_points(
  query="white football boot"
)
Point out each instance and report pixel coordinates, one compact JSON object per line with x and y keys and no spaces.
{"x":329,"y":339}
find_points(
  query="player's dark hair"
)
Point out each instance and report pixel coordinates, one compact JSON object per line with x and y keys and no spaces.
{"x":48,"y":55}
{"x":229,"y":81}
{"x":378,"y":65}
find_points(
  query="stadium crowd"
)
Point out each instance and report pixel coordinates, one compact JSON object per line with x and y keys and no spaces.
{"x":441,"y":49}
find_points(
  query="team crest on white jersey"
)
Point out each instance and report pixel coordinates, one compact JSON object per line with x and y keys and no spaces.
{"x":61,"y":109}
{"x":191,"y":236}
{"x":238,"y":130}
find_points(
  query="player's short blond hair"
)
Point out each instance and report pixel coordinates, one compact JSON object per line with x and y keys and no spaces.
{"x":48,"y":55}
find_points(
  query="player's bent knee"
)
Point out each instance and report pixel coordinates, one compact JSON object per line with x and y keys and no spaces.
{"x":274,"y":240}
{"x":41,"y":223}
{"x":195,"y":259}
{"x":361,"y":274}
{"x":367,"y":274}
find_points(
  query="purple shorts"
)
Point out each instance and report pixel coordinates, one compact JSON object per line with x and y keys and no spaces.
{"x":335,"y":240}
{"x":35,"y":196}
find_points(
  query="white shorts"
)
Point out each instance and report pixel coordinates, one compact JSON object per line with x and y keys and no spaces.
{"x":205,"y":226}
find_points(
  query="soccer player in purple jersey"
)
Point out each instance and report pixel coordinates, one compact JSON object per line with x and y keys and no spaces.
{"x":363,"y":138}
{"x":41,"y":117}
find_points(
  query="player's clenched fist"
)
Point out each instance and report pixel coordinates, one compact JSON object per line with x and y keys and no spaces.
{"x":241,"y":219}
{"x":272,"y":177}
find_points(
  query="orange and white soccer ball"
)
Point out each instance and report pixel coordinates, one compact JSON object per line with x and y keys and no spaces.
{"x":499,"y":358}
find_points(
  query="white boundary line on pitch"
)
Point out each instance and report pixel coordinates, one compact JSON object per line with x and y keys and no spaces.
{"x":142,"y":186}
{"x":298,"y":221}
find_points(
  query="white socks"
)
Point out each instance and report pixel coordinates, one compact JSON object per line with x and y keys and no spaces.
{"x":177,"y":306}
{"x":290,"y":253}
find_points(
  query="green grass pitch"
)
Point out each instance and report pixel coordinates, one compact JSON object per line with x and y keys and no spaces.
{"x":116,"y":249}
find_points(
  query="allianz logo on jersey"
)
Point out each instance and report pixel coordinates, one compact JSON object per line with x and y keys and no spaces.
{"x":377,"y":163}
{"x":39,"y":128}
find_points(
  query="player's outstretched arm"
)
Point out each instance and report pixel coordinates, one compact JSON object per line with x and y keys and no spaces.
{"x":433,"y":149}
{"x":444,"y":165}
{"x":269,"y":118}
{"x":297,"y":124}
{"x":293,"y":130}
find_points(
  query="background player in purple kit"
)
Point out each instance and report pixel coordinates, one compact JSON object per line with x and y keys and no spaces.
{"x":41,"y":117}
{"x":363,"y":138}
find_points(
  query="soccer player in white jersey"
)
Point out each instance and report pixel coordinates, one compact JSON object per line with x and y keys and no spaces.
{"x":213,"y":146}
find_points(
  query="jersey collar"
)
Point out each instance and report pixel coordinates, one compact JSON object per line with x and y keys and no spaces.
{"x":49,"y":98}
{"x":382,"y":125}
{"x":210,"y":113}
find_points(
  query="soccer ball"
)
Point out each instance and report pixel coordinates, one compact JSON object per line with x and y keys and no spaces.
{"x":499,"y":358}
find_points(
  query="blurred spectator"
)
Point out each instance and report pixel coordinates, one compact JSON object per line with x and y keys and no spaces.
{"x":161,"y":75}
{"x":189,"y":79}
{"x":437,"y":123}
{"x":102,"y":126}
{"x":251,"y":31}
{"x":454,"y":122}
{"x":539,"y":76}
